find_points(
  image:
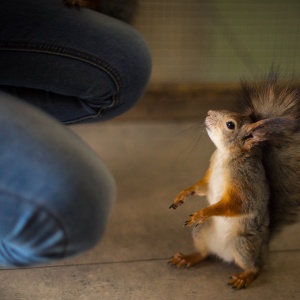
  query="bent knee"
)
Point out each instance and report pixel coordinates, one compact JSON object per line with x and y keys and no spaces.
{"x":135,"y":71}
{"x":56,"y":193}
{"x":60,"y":216}
{"x":39,"y":235}
{"x":130,"y":71}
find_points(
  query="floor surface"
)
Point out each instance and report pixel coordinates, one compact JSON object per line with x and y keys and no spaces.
{"x":151,"y":163}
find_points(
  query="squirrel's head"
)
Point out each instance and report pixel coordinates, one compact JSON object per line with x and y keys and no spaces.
{"x":233,"y":132}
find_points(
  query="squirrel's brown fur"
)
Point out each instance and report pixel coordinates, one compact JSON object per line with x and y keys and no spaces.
{"x":252,"y":184}
{"x":281,"y":157}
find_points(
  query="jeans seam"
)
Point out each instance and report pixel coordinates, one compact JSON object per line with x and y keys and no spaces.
{"x":99,"y":113}
{"x":69,"y":52}
{"x":49,"y":213}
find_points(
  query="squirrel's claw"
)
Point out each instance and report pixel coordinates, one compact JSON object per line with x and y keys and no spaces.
{"x":236,"y":283}
{"x":179,"y":200}
{"x":175,"y":205}
{"x":241,"y":281}
{"x":197,"y":216}
{"x":189,"y":222}
{"x":180,"y":260}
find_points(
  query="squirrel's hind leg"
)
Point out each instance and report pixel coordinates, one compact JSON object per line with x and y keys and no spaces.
{"x":202,"y":252}
{"x":251,"y":264}
{"x":250,"y":256}
{"x":181,"y":260}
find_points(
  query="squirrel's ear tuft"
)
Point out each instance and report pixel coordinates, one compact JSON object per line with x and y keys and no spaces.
{"x":273,"y":129}
{"x":255,"y":133}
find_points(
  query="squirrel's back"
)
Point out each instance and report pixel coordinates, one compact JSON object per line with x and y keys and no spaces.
{"x":281,"y":157}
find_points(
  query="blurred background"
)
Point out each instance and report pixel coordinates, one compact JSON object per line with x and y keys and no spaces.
{"x":219,"y":40}
{"x":201,"y":50}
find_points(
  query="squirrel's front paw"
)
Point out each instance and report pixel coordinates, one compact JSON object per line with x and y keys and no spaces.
{"x":197,"y":216}
{"x":180,"y":198}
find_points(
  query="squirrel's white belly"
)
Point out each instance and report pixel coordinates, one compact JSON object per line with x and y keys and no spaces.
{"x":221,"y":232}
{"x":216,"y":186}
{"x":220,"y":237}
{"x":217,"y":236}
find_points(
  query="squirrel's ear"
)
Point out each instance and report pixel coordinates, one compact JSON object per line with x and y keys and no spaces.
{"x":268,"y":129}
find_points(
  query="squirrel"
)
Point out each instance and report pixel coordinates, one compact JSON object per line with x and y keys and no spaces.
{"x":123,"y":10}
{"x":253,"y":180}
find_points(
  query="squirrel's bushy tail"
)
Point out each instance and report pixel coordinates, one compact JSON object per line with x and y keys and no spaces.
{"x":281,"y":157}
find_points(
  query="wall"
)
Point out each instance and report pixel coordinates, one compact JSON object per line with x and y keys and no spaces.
{"x":196,"y":41}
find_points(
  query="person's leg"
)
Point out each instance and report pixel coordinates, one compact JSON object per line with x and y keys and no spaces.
{"x":74,"y":64}
{"x":55,"y":193}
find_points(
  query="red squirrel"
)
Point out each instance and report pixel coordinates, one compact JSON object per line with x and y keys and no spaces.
{"x":252,"y":183}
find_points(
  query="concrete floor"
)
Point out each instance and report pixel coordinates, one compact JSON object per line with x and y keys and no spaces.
{"x":151,"y":163}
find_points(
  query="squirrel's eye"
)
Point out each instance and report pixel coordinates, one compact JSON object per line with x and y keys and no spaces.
{"x":230,"y":125}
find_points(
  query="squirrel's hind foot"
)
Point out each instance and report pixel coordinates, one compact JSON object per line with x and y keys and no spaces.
{"x":241,"y":281}
{"x":180,"y":260}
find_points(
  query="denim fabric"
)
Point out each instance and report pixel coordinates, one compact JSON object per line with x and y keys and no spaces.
{"x":55,"y":193}
{"x":75,"y":65}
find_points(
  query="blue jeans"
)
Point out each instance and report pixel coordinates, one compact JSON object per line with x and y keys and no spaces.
{"x":59,"y":65}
